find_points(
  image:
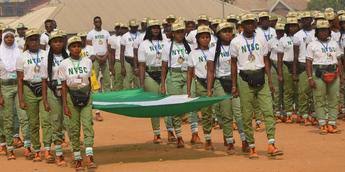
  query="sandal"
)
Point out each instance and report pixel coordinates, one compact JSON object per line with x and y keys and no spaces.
{"x":10,"y":155}
{"x":90,"y":162}
{"x":273,"y":150}
{"x":49,"y":157}
{"x":79,"y":165}
{"x":37,"y":157}
{"x":60,"y":161}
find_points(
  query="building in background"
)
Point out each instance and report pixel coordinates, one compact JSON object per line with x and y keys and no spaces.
{"x":18,"y":7}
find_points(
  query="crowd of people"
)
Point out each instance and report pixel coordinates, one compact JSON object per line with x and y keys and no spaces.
{"x":276,"y":69}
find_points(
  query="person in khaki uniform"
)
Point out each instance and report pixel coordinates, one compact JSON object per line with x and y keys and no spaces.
{"x":149,"y":58}
{"x":197,"y":72}
{"x":9,"y":54}
{"x":174,"y":75}
{"x":323,"y":67}
{"x":51,"y":91}
{"x":75,"y":73}
{"x":30,"y":91}
{"x":219,"y":84}
{"x":249,"y":55}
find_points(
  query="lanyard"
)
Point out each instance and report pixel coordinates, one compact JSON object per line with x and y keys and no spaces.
{"x":248,"y":46}
{"x":180,"y":49}
{"x":204,"y":55}
{"x":73,"y":62}
{"x":227,"y":53}
{"x":156,"y":47}
{"x":136,"y":34}
{"x":326,"y":47}
{"x":267,"y":37}
{"x":56,"y":61}
{"x":37,"y":58}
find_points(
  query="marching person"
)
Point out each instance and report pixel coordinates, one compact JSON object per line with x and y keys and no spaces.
{"x":285,"y":62}
{"x":98,"y":38}
{"x":114,"y":60}
{"x":300,"y":40}
{"x":30,"y":91}
{"x":323,"y":66}
{"x":174,"y":75}
{"x":219,"y":84}
{"x":20,"y":39}
{"x":51,"y":92}
{"x":9,"y":54}
{"x":44,"y":39}
{"x":75,"y":73}
{"x":149,"y":58}
{"x":129,"y":66}
{"x":249,"y":55}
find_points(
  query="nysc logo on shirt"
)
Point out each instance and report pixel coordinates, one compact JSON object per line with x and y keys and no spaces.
{"x":34,"y":61}
{"x":252,"y":47}
{"x":99,"y":37}
{"x":330,"y":49}
{"x":178,"y":52}
{"x":224,"y":54}
{"x":77,"y":70}
{"x":156,"y":47}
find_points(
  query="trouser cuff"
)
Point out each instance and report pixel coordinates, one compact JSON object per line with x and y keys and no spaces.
{"x":332,"y":123}
{"x":252,"y":145}
{"x":271,"y":141}
{"x":322,"y":122}
{"x":58,"y":150}
{"x":77,"y":155}
{"x":243,"y":136}
{"x":89,"y":151}
{"x":170,"y":129}
{"x":157,"y":132}
{"x":229,"y":140}
{"x":27,"y":143}
{"x":194,"y":127}
{"x":207,"y":136}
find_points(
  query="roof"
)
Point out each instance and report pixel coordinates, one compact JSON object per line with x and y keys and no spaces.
{"x":77,"y":15}
{"x":266,"y":5}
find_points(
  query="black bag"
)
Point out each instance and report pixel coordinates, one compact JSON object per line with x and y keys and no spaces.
{"x":301,"y":67}
{"x":226,"y":84}
{"x":320,"y":70}
{"x":254,"y":79}
{"x":79,"y":98}
{"x":156,"y":75}
{"x":202,"y":81}
{"x":53,"y":85}
{"x":289,"y":66}
{"x":130,"y":61}
{"x":36,"y":88}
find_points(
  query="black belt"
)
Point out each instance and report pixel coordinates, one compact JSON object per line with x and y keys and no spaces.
{"x":8,"y":82}
{"x":130,"y":60}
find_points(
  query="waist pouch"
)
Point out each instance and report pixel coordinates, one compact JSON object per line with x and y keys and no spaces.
{"x":202,"y":81}
{"x":301,"y":67}
{"x":226,"y":84}
{"x":289,"y":66}
{"x":255,"y":78}
{"x":328,"y":73}
{"x":79,"y":98}
{"x":36,"y":88}
{"x":55,"y":87}
{"x":155,"y":75}
{"x":130,"y":61}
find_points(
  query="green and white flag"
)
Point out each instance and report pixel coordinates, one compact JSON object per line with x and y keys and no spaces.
{"x":138,"y":103}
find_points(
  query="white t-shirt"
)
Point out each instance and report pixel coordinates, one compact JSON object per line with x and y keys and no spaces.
{"x":55,"y":67}
{"x":139,"y":40}
{"x":76,"y":73}
{"x":127,"y":40}
{"x":342,"y":41}
{"x":335,"y":36}
{"x":191,"y":39}
{"x":239,"y":49}
{"x":273,"y":47}
{"x":151,"y":53}
{"x":266,"y":34}
{"x":87,"y":51}
{"x":99,"y":41}
{"x":286,"y":47}
{"x":198,"y":59}
{"x":324,"y":53}
{"x":45,"y":39}
{"x":223,"y":63}
{"x":30,"y":65}
{"x":114,"y":42}
{"x":8,"y":71}
{"x":179,"y":55}
{"x":302,"y":38}
{"x":20,"y":42}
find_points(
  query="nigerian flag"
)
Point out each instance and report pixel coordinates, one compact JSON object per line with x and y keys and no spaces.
{"x":138,"y":103}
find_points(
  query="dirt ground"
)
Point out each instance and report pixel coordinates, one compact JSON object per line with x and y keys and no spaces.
{"x":125,"y":144}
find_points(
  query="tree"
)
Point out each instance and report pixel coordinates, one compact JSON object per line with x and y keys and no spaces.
{"x":322,"y":4}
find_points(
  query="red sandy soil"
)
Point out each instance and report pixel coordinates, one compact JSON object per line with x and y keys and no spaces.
{"x":125,"y":144}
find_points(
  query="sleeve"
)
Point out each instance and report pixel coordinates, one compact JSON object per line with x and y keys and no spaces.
{"x":90,"y":67}
{"x":280,"y":48}
{"x":62,"y":72}
{"x":123,"y":40}
{"x":310,"y":54}
{"x":191,"y":60}
{"x":189,"y":37}
{"x":20,"y":63}
{"x":212,"y":54}
{"x":141,"y":53}
{"x":90,"y":51}
{"x":111,"y":42}
{"x":165,"y":52}
{"x":264,"y":48}
{"x":339,"y":52}
{"x":296,"y":40}
{"x":89,"y":36}
{"x":44,"y":68}
{"x":233,"y":49}
{"x":43,"y":40}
